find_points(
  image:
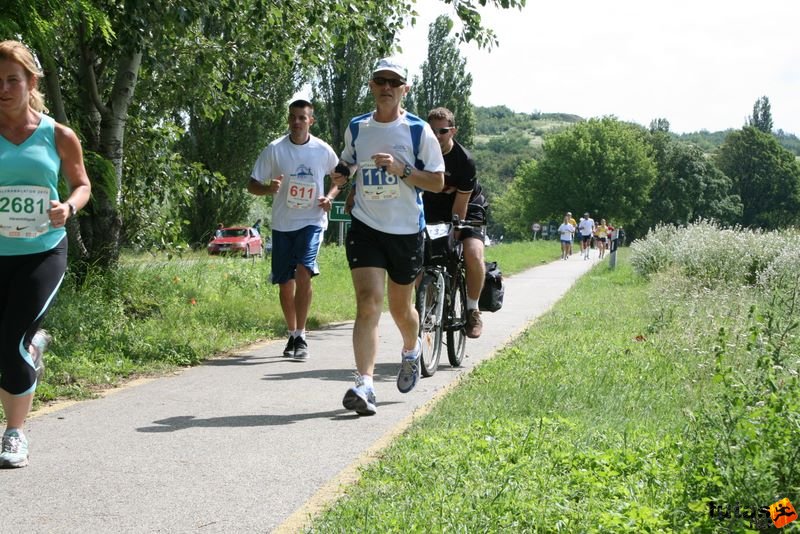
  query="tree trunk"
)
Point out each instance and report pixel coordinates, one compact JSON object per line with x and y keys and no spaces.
{"x":52,"y":83}
{"x":102,"y":229}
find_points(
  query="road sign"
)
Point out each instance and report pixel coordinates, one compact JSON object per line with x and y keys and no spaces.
{"x":337,"y":212}
{"x":536,"y":227}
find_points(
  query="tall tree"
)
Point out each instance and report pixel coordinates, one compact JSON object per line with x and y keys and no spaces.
{"x":513,"y":211}
{"x":445,"y":81}
{"x":765,"y":175}
{"x":340,"y":85}
{"x":762,"y":116}
{"x":659,"y":125}
{"x":688,"y":186}
{"x":603,"y":166}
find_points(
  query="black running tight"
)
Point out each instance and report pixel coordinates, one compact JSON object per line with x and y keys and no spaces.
{"x":28,"y":285}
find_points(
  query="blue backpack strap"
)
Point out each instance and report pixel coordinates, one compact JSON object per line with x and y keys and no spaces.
{"x":416,"y":125}
{"x":354,"y":124}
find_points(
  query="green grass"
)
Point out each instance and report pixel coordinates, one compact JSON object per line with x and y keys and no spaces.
{"x":518,"y":256}
{"x":602,"y":417}
{"x":560,"y":431}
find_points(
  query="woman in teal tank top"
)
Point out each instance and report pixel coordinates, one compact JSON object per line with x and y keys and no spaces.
{"x":34,"y":151}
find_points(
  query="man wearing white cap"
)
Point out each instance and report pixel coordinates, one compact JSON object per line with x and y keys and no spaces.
{"x":393,"y":156}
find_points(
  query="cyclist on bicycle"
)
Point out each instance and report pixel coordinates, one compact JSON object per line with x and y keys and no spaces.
{"x":463,"y":196}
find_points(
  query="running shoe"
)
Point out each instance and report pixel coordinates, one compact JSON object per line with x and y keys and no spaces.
{"x":15,"y":449}
{"x":360,"y":399}
{"x":300,"y":348}
{"x":288,"y":352}
{"x":408,"y":376}
{"x":41,"y":340}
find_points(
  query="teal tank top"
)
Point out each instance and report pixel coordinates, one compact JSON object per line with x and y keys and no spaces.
{"x":28,"y":181}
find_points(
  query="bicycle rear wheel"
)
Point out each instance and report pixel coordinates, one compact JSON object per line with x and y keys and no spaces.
{"x":429,"y":293}
{"x":457,"y":322}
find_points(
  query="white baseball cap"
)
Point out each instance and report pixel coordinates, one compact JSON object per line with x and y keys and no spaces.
{"x":392,"y":64}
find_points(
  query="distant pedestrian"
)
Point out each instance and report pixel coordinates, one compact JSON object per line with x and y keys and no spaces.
{"x":601,"y":233}
{"x":566,"y":230}
{"x":292,"y":169}
{"x":218,"y":231}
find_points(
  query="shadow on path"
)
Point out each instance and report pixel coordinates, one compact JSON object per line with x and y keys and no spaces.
{"x":384,"y":372}
{"x":184,"y":422}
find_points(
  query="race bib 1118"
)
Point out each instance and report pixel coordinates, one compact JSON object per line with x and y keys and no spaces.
{"x":377,"y":183}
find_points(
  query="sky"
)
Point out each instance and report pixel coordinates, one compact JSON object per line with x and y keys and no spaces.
{"x":700,"y":64}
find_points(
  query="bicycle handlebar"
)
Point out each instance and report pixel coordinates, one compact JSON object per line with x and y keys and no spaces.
{"x":458,"y":224}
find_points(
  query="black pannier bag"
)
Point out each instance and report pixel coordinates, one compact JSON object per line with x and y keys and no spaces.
{"x":491,"y":298}
{"x":439,"y":243}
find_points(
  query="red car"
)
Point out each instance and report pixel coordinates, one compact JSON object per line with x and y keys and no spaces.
{"x":237,"y":240}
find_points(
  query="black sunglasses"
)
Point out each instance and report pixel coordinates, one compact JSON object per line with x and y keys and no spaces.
{"x":442,"y":131}
{"x":394,"y":82}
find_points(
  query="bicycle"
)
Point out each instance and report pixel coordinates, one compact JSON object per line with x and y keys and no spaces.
{"x":441,"y":299}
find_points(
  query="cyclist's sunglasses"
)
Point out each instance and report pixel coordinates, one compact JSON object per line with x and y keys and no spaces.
{"x":442,"y":131}
{"x":394,"y":82}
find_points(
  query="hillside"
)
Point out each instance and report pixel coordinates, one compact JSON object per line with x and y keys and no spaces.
{"x":500,"y":121}
{"x":710,"y":141}
{"x":504,"y":139}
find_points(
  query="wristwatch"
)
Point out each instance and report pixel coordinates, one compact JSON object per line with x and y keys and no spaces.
{"x":407,"y":170}
{"x":72,"y":209}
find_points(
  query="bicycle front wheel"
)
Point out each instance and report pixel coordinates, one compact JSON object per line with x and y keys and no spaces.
{"x":457,"y":323}
{"x":429,"y":293}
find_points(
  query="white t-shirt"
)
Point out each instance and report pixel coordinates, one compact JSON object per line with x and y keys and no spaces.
{"x":384,"y":201}
{"x":566,"y":230}
{"x":296,"y":205}
{"x":586,"y":226}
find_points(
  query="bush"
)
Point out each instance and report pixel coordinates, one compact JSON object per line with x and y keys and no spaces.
{"x":731,"y":296}
{"x":711,"y":254}
{"x":654,"y":253}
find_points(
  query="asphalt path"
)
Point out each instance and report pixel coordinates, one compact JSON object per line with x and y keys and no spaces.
{"x":252,"y":442}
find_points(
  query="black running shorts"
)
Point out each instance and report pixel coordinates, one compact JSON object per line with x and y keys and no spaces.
{"x":400,"y":255}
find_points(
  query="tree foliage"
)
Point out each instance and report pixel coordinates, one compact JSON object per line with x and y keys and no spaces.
{"x":603,"y":166}
{"x":445,"y":82}
{"x":340,"y":89}
{"x":761,"y":118}
{"x":214,"y":69}
{"x":659,"y":125}
{"x":513,"y":211}
{"x":688,"y":186}
{"x":765,"y":176}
